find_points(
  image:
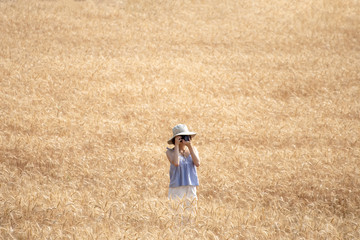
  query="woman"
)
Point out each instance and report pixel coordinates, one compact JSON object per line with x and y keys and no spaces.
{"x":184,"y":159}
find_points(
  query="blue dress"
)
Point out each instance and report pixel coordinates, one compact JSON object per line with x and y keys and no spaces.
{"x":185,"y":174}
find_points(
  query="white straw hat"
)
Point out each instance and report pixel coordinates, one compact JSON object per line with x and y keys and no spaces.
{"x":180,"y":130}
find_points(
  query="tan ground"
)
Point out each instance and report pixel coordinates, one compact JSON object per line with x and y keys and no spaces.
{"x":91,"y":89}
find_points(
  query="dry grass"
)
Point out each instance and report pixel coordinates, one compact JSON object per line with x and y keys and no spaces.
{"x":91,"y":89}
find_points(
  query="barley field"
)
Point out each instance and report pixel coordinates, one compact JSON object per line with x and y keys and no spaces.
{"x":90,"y":91}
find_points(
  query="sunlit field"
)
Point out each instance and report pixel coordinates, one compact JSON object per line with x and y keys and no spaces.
{"x":90,"y":91}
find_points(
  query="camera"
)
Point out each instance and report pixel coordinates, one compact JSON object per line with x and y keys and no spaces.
{"x":185,"y":138}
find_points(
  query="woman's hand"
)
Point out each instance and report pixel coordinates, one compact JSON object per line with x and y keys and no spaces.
{"x":177,"y":140}
{"x":187,"y":143}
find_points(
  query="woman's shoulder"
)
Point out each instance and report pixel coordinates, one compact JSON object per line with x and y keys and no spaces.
{"x":169,"y":152}
{"x":169,"y":149}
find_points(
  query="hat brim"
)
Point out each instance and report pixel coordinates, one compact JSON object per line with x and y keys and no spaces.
{"x":181,"y":134}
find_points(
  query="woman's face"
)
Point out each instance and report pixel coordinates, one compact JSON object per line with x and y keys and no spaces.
{"x":182,"y":141}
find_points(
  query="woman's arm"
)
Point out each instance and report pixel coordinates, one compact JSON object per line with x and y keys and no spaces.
{"x":194,"y":155}
{"x":173,"y":155}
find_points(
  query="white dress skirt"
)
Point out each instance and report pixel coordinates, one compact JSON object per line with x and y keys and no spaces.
{"x":182,"y":192}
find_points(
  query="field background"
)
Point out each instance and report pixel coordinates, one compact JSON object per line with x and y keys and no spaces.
{"x":90,"y":91}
